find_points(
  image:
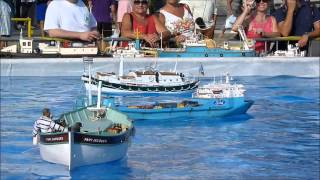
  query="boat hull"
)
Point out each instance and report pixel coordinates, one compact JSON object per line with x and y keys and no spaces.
{"x":114,"y":88}
{"x":78,"y":149}
{"x":206,"y":109}
{"x":206,"y":52}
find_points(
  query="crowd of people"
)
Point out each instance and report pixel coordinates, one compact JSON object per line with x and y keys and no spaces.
{"x":89,"y":20}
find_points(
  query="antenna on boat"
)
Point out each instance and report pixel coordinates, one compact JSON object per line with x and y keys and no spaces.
{"x":99,"y":95}
{"x":175,"y":65}
{"x":21,"y":34}
{"x":227,"y":78}
{"x":89,"y":61}
{"x":121,"y":66}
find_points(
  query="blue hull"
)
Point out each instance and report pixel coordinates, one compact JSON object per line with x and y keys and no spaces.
{"x":207,"y":52}
{"x":204,"y":108}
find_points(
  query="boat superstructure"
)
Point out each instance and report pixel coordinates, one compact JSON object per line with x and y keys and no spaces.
{"x":147,"y":80}
{"x":212,"y":100}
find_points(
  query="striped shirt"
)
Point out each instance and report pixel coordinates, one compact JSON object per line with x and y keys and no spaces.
{"x":46,"y":125}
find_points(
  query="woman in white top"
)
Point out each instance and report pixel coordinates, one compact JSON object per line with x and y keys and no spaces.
{"x":178,"y":19}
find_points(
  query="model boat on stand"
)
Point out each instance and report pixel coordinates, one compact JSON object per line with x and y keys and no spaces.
{"x":98,"y":135}
{"x":149,"y":80}
{"x":211,"y":100}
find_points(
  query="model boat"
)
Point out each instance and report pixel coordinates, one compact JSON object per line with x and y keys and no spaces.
{"x":292,"y":51}
{"x":149,"y":80}
{"x":195,"y":46}
{"x":211,"y":100}
{"x":105,"y":136}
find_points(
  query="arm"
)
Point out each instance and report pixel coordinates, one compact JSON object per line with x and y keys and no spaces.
{"x":126,"y":30}
{"x":241,"y":18}
{"x":85,"y":36}
{"x":286,"y":25}
{"x":114,"y":13}
{"x":160,"y":27}
{"x":315,"y":33}
{"x":229,"y":7}
{"x":56,"y":127}
{"x":35,"y":129}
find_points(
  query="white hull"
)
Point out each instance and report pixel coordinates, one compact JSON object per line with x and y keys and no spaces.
{"x":80,"y":154}
{"x":94,"y":90}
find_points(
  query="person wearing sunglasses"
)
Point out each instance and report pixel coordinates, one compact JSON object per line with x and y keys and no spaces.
{"x":148,"y":26}
{"x":259,"y":24}
{"x":298,"y":18}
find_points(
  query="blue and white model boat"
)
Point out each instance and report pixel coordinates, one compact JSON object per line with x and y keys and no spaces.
{"x":196,"y":47}
{"x":211,"y":100}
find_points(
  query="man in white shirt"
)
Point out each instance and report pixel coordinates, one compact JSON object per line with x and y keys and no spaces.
{"x":45,"y":124}
{"x":205,"y":9}
{"x":70,"y":19}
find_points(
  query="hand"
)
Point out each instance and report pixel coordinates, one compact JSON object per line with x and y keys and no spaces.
{"x":303,"y":41}
{"x":291,"y":5}
{"x":89,"y":36}
{"x":151,"y":39}
{"x":248,"y":6}
{"x":180,"y":38}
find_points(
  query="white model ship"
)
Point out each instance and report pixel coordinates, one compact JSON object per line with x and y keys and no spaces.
{"x":220,"y":90}
{"x":293,"y":51}
{"x":148,"y":80}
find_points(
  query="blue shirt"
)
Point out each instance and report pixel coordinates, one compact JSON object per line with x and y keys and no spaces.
{"x":303,"y":18}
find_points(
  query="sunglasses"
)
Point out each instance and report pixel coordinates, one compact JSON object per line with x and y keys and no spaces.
{"x":265,"y":1}
{"x":140,"y":2}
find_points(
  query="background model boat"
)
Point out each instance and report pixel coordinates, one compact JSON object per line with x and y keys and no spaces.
{"x":212,"y":100}
{"x":149,"y":80}
{"x":105,"y":136}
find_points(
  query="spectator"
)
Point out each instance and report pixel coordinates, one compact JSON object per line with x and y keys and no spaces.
{"x":178,"y":19}
{"x":124,"y":6}
{"x":41,"y":13}
{"x":70,"y":19}
{"x":45,"y":124}
{"x":156,"y":5}
{"x":207,"y":10}
{"x":234,"y":9}
{"x":298,"y":18}
{"x":259,"y":25}
{"x":5,"y":20}
{"x":102,"y":10}
{"x":148,"y":25}
{"x":28,"y":9}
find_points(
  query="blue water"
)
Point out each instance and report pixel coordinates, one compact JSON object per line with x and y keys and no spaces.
{"x":277,"y":139}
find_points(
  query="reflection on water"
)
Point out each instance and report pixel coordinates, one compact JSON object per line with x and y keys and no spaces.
{"x":278,"y":138}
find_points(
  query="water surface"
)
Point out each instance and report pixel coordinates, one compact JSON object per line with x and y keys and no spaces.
{"x":277,"y":139}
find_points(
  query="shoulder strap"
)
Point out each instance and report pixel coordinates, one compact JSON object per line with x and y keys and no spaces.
{"x":185,"y":6}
